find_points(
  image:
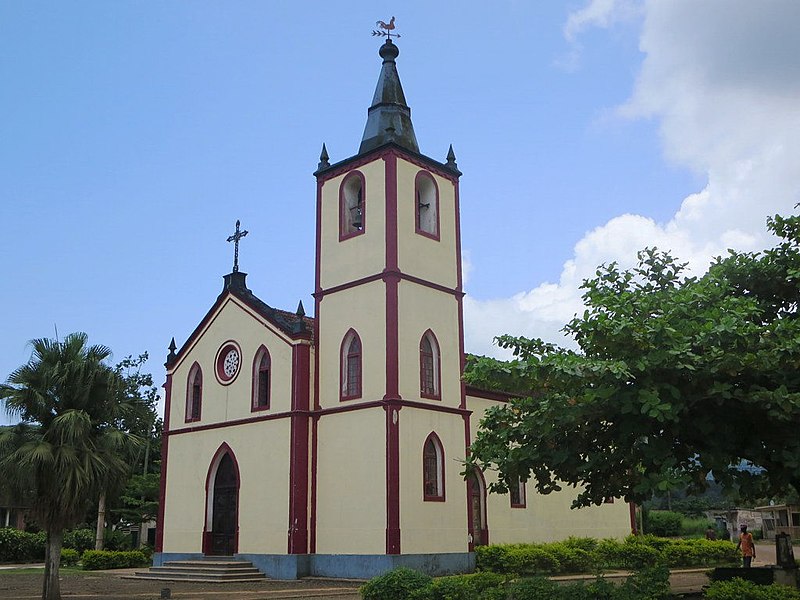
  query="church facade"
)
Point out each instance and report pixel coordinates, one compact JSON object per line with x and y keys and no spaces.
{"x":332,"y":446}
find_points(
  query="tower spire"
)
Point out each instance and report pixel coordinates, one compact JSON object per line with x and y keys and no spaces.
{"x":389,"y":117}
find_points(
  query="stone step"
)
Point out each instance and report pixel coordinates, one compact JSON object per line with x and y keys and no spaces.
{"x":208,"y":570}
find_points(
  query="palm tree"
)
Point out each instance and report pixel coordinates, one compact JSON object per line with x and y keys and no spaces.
{"x":70,"y":445}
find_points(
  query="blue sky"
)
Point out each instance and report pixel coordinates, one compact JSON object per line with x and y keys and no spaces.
{"x":135,"y":133}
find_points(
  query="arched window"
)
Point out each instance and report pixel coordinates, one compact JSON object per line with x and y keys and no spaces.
{"x":351,"y":366}
{"x":194,"y":393}
{"x":517,"y":493}
{"x":261,"y":379}
{"x":433,"y":470}
{"x":352,"y":206}
{"x":426,"y":203}
{"x":429,"y":362}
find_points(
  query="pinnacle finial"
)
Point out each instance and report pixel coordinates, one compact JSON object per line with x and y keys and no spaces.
{"x":451,"y":160}
{"x":323,"y":158}
{"x":171,"y":356}
{"x":301,"y":312}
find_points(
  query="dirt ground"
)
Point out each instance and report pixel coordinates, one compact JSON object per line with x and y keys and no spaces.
{"x":81,"y":585}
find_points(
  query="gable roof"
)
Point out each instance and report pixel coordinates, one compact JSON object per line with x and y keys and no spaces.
{"x":295,"y":325}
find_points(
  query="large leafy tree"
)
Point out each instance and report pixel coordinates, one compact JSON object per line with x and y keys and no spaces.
{"x":69,"y":444}
{"x":676,"y":377}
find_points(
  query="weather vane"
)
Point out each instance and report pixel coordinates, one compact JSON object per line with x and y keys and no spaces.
{"x":389,"y":27}
{"x":235,"y":239}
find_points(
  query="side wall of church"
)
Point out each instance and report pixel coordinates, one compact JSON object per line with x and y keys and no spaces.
{"x":260,"y":451}
{"x":431,"y":526}
{"x":546,"y":518}
{"x":351,"y":482}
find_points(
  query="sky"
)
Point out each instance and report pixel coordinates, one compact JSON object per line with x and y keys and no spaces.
{"x":134,"y":134}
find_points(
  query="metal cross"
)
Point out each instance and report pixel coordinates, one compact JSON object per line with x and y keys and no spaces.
{"x":235,"y":239}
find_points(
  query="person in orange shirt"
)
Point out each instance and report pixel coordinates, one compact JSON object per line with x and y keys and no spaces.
{"x":747,"y":546}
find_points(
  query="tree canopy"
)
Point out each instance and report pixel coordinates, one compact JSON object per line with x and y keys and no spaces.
{"x":70,"y":444}
{"x":676,"y":377}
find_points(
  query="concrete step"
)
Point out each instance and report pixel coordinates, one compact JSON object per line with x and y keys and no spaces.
{"x":212,"y":569}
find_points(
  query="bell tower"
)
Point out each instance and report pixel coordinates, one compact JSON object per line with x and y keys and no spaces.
{"x":389,"y":340}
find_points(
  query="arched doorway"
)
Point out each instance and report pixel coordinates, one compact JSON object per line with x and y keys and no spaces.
{"x":477,"y":507}
{"x":222,"y":505}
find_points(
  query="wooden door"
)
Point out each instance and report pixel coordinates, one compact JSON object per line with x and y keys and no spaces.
{"x":224,"y":517}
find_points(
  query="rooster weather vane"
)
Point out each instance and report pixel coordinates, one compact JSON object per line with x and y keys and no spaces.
{"x":389,"y":27}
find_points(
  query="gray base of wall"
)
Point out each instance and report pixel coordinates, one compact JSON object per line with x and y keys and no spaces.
{"x":347,"y":566}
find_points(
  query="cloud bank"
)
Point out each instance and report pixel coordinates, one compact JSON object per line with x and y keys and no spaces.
{"x":722,"y":79}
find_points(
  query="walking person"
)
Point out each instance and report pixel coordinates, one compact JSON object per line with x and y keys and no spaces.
{"x":747,"y":546}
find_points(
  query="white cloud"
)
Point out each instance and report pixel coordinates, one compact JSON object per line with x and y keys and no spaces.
{"x":723,"y":80}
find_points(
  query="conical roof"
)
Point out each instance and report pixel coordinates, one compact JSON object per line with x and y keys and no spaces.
{"x":389,"y":117}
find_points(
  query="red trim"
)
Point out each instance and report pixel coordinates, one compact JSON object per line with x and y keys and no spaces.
{"x":440,"y":479}
{"x":384,"y":276}
{"x":162,"y":486}
{"x":489,"y":395}
{"x":392,"y":479}
{"x":312,"y":545}
{"x":212,"y":468}
{"x":420,"y":160}
{"x":392,"y":282}
{"x":460,"y":299}
{"x":426,"y":175}
{"x":634,"y":525}
{"x":317,"y":296}
{"x":256,"y":378}
{"x":344,"y":364}
{"x":298,"y":459}
{"x":437,"y":374}
{"x":189,"y":407}
{"x":344,"y":235}
{"x":245,"y":421}
{"x":219,"y":361}
{"x":484,"y":516}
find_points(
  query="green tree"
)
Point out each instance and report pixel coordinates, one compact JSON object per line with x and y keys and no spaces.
{"x":69,"y":444}
{"x":675,"y":377}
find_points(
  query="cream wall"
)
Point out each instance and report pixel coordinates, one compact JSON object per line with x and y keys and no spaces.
{"x":419,"y":255}
{"x":351,"y":482}
{"x":422,"y":308}
{"x":427,"y":527}
{"x":363,"y":309}
{"x":231,"y":402}
{"x":361,"y":255}
{"x":549,"y":517}
{"x":263,"y":491}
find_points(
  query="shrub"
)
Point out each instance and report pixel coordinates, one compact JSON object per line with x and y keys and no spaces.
{"x":96,"y":560}
{"x":650,"y":584}
{"x":446,"y":588}
{"x":116,"y":540}
{"x":69,"y":557}
{"x":587,"y":544}
{"x":695,"y":527}
{"x":664,"y":523}
{"x":491,"y":558}
{"x":535,"y":588}
{"x":739,"y":589}
{"x":79,"y":539}
{"x":531,"y":560}
{"x":397,"y":584}
{"x":21,"y":546}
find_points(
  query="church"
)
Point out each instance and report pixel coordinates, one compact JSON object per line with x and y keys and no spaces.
{"x":333,"y":445}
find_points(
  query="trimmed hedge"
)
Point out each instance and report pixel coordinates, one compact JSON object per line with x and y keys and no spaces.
{"x":580,"y":556}
{"x":397,"y":584}
{"x":69,"y":557}
{"x":739,"y":589}
{"x":96,"y":560}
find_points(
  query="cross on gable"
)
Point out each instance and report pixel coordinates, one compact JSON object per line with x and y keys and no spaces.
{"x":235,"y":239}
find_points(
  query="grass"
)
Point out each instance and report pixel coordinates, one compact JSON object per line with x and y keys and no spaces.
{"x":695,"y":527}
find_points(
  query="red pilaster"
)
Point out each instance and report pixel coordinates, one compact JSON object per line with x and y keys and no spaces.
{"x":392,"y":478}
{"x":298,"y":466}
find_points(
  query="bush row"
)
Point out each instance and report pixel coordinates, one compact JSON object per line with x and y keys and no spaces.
{"x":405,"y":584}
{"x":739,"y":589}
{"x":582,"y":555}
{"x":96,"y":560}
{"x":20,"y":546}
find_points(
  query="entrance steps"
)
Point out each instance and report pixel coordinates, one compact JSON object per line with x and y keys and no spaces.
{"x":212,"y":569}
